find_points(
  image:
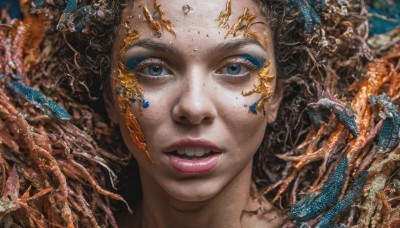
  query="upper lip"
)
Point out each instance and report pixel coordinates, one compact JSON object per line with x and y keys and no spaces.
{"x":192,"y":143}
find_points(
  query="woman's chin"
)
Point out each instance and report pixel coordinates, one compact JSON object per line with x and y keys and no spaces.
{"x":193,"y":193}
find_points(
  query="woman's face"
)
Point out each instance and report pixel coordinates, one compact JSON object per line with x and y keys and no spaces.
{"x":198,"y":127}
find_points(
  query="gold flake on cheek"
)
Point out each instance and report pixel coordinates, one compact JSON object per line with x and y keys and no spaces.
{"x":224,"y":16}
{"x":244,"y":21}
{"x":157,"y":22}
{"x":264,"y":87}
{"x":128,"y":91}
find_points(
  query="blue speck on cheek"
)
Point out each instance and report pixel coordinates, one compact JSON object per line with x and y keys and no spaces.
{"x":252,"y":108}
{"x":145,"y":104}
{"x":245,"y":105}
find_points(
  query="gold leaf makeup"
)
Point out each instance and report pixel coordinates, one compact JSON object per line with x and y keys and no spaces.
{"x":167,"y":24}
{"x":149,"y":18}
{"x":128,"y":91}
{"x":264,"y":87}
{"x":264,"y":77}
{"x":243,"y":22}
{"x":224,"y":16}
{"x":157,"y":22}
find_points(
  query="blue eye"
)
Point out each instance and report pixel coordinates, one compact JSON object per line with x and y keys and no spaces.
{"x":154,"y":70}
{"x":151,"y":67}
{"x":234,"y":69}
{"x":241,"y":65}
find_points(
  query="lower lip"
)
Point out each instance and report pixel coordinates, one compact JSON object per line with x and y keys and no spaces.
{"x":194,"y":166}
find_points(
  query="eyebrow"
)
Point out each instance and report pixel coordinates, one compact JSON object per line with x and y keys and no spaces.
{"x":236,"y":44}
{"x":149,"y":44}
{"x":222,"y":47}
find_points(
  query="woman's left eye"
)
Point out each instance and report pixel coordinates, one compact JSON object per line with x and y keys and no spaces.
{"x":234,"y":69}
{"x":237,"y":66}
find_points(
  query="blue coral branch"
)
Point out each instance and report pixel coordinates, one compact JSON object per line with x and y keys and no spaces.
{"x":68,"y":8}
{"x":38,"y":100}
{"x":309,"y":12}
{"x":314,"y":204}
{"x":71,"y":6}
{"x":76,"y":21}
{"x":341,"y":205}
{"x":344,"y":113}
{"x":389,"y":135}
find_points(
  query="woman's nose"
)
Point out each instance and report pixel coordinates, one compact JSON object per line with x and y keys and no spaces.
{"x":195,"y":104}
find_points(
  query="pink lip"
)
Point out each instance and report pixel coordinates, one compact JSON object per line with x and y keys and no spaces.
{"x":194,"y":166}
{"x":189,"y":166}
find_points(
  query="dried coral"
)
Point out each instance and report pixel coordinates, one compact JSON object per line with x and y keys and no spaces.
{"x":50,"y":171}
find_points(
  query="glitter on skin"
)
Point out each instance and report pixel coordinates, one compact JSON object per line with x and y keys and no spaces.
{"x":224,"y":16}
{"x":126,"y":87}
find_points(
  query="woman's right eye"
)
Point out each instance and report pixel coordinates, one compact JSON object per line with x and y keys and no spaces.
{"x":148,"y":67}
{"x":154,"y":70}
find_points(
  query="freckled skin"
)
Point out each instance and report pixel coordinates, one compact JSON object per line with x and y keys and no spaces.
{"x":195,"y":100}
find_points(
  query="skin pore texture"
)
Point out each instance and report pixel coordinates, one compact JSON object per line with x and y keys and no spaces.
{"x":192,"y":78}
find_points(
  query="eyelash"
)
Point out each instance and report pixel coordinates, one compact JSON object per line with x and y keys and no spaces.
{"x":148,"y":62}
{"x":241,"y":61}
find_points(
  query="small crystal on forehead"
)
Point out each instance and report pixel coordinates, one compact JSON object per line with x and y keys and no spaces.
{"x":186,"y":9}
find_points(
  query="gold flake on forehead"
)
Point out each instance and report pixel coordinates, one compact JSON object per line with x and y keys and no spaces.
{"x":128,"y":91}
{"x":264,"y":87}
{"x":153,"y":24}
{"x":244,"y":21}
{"x":167,"y":24}
{"x":224,"y":15}
{"x":157,"y":22}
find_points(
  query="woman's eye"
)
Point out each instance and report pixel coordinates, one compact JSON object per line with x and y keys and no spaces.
{"x":234,"y":69}
{"x":151,"y":67}
{"x":238,"y":66}
{"x":154,"y":70}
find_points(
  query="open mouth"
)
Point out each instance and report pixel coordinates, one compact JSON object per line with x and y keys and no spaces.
{"x":193,"y":153}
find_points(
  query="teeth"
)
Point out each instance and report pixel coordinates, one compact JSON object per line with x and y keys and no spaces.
{"x":196,"y":152}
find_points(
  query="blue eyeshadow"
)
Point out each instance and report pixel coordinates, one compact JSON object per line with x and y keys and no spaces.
{"x":132,"y":63}
{"x":259,"y":62}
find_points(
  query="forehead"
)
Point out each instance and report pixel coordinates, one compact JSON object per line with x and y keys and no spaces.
{"x":199,"y":23}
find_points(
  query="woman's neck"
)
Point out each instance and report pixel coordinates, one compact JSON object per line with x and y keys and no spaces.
{"x":159,"y":209}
